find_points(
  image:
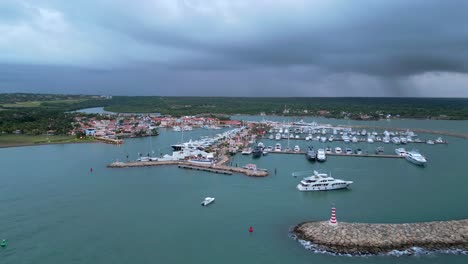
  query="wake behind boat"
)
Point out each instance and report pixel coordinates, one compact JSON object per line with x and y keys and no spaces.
{"x":321,"y":182}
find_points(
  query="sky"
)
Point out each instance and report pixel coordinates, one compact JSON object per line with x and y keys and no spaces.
{"x":397,"y":48}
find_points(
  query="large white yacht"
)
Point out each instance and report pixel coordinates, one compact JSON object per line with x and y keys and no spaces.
{"x":321,"y":155}
{"x":415,"y":157}
{"x":321,"y":182}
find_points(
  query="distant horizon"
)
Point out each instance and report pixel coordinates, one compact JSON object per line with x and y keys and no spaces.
{"x":387,"y":97}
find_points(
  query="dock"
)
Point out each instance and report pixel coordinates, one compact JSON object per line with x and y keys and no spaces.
{"x":365,"y":238}
{"x":215,"y":168}
{"x":366,"y":155}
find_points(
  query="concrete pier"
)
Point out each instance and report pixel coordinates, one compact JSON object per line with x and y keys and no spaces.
{"x":216,"y":168}
{"x":362,"y":238}
{"x":344,"y":154}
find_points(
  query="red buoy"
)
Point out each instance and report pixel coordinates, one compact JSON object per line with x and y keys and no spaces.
{"x":250,"y":229}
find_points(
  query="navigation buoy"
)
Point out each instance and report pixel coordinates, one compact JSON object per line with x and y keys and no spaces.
{"x":91,"y":170}
{"x":333,"y":221}
{"x":250,"y":229}
{"x":3,"y":244}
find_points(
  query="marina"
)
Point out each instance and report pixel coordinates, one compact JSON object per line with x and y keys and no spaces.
{"x":116,"y":196}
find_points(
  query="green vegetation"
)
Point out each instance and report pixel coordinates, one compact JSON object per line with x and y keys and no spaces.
{"x":355,"y":107}
{"x":9,"y":140}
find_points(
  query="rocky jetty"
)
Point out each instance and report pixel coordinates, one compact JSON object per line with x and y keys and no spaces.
{"x":361,"y":238}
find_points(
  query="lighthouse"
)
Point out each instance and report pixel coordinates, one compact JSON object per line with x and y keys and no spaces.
{"x":333,"y":221}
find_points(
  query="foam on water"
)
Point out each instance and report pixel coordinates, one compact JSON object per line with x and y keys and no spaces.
{"x":414,"y":251}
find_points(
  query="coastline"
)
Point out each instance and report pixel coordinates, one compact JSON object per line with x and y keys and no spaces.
{"x":371,"y":239}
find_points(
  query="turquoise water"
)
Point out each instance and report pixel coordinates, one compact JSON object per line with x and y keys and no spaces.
{"x":53,"y":210}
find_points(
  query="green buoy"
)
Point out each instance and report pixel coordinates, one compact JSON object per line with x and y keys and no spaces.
{"x":3,"y":244}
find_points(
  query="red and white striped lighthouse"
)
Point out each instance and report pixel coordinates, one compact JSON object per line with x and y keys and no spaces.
{"x":333,"y":221}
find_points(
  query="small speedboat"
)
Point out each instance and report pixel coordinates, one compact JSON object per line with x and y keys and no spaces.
{"x":207,"y":201}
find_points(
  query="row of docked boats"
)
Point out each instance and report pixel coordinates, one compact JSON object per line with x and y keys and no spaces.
{"x":319,"y":155}
{"x":321,"y":182}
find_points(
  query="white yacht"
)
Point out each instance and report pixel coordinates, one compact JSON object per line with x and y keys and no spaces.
{"x":261,"y":145}
{"x":269,"y":148}
{"x":396,"y":140}
{"x":401,"y":152}
{"x":415,"y":157}
{"x":323,"y":139}
{"x":297,"y":136}
{"x":207,"y":201}
{"x":354,"y":139}
{"x":321,"y":155}
{"x":370,"y":140}
{"x":297,"y":148}
{"x":338,"y":150}
{"x":439,"y":140}
{"x":278,"y":136}
{"x":330,"y":139}
{"x":278,"y":147}
{"x":328,"y":150}
{"x":247,"y":151}
{"x":430,"y":142}
{"x":345,"y":138}
{"x":403,"y":140}
{"x":271,"y":137}
{"x":386,"y":140}
{"x":321,"y":182}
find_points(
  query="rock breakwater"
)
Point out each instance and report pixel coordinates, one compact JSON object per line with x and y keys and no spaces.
{"x":362,"y":238}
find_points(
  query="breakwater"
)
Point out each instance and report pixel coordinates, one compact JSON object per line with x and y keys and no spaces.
{"x":363,"y":238}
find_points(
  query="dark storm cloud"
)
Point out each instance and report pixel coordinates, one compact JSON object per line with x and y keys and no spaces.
{"x":220,"y":47}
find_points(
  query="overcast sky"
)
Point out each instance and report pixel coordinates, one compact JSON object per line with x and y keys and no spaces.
{"x":235,"y":47}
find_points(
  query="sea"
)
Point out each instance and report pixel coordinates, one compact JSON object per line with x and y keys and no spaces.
{"x":54,"y":209}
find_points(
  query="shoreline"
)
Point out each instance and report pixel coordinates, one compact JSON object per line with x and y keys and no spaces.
{"x":374,"y":239}
{"x":44,"y":144}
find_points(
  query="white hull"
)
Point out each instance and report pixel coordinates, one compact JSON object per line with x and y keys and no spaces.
{"x":417,"y":162}
{"x":207,"y":201}
{"x":322,"y":188}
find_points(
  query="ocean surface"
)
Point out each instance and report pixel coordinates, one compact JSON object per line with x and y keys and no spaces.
{"x":54,"y":210}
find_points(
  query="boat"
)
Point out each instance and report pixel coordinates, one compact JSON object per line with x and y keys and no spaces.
{"x":396,"y":140}
{"x":271,"y":137}
{"x":247,"y":151}
{"x":257,"y":152}
{"x":415,"y":157}
{"x":265,"y":152}
{"x":3,"y":243}
{"x":297,"y":148}
{"x":330,"y":139}
{"x":278,"y":136}
{"x":358,"y":151}
{"x":297,"y":137}
{"x":345,"y":138}
{"x":403,"y":140}
{"x":401,"y":152}
{"x":278,"y":147}
{"x":201,"y":161}
{"x":348,"y":151}
{"x":338,"y":150}
{"x":379,"y":150}
{"x":207,"y":201}
{"x":354,"y":139}
{"x":321,"y":155}
{"x":311,"y":155}
{"x":386,"y":140}
{"x":328,"y":150}
{"x":370,"y":140}
{"x":260,"y":145}
{"x":439,"y":140}
{"x":269,"y":148}
{"x":430,"y":142}
{"x":321,"y":182}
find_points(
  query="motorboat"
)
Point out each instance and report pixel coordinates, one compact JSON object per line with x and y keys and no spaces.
{"x":358,"y":151}
{"x":396,"y":140}
{"x":278,"y":136}
{"x":311,"y":154}
{"x":348,"y":151}
{"x":265,"y":152}
{"x":370,"y":140}
{"x":386,"y":140}
{"x":323,"y":139}
{"x":345,"y":138}
{"x":269,"y":148}
{"x":278,"y":147}
{"x":401,"y":152}
{"x":297,"y":137}
{"x":328,"y":150}
{"x":379,"y":150}
{"x":321,"y":182}
{"x":260,"y":145}
{"x":257,"y":152}
{"x":403,"y":140}
{"x":321,"y":155}
{"x":207,"y":201}
{"x":330,"y":139}
{"x":354,"y":139}
{"x":271,"y":137}
{"x":415,"y":157}
{"x":439,"y":140}
{"x":338,"y":150}
{"x":430,"y":142}
{"x":297,"y":148}
{"x":246,"y":151}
